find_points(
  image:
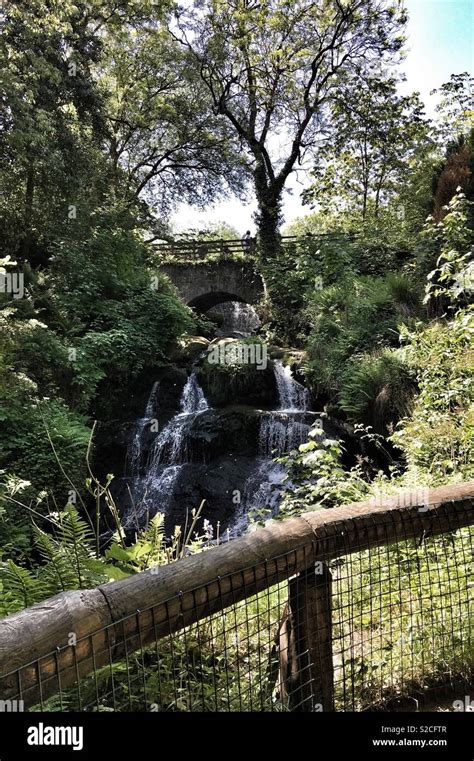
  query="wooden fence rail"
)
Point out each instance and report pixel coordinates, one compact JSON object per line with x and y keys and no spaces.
{"x":196,"y":249}
{"x":35,"y":654}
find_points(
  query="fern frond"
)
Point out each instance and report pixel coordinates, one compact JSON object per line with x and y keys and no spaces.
{"x":23,"y":586}
{"x":75,"y":537}
{"x":56,"y":573}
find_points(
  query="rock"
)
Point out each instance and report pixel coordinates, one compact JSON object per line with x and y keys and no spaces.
{"x":220,"y":483}
{"x":190,"y":349}
{"x":287,"y":355}
{"x":215,"y":483}
{"x":232,"y":431}
{"x":226,"y":385}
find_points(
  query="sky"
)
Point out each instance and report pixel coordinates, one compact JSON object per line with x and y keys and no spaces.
{"x":440,"y":43}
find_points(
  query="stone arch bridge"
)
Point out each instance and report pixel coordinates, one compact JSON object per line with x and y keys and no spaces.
{"x":203,"y":285}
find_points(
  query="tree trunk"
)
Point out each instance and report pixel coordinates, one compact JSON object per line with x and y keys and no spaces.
{"x":25,"y":245}
{"x":268,"y":220}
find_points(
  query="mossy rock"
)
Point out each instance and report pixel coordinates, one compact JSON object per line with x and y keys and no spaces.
{"x":190,"y":349}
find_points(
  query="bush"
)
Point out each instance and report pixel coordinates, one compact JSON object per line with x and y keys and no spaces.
{"x":129,"y":336}
{"x":356,"y":316}
{"x":376,"y":390}
{"x":41,"y":443}
{"x":438,"y":437}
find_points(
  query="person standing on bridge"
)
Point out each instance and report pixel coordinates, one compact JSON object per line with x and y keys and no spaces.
{"x":248,"y":243}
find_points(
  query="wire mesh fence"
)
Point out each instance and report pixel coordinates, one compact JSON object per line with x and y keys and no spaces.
{"x":372,"y":625}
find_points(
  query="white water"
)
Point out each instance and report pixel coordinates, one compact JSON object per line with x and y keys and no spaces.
{"x":155,"y":490}
{"x":238,"y":318}
{"x":134,"y":454}
{"x":170,"y":445}
{"x":281,"y":431}
{"x":293,"y":397}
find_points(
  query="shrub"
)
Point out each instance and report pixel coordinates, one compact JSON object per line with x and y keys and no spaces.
{"x":354,"y":317}
{"x":376,"y":389}
{"x":437,"y":439}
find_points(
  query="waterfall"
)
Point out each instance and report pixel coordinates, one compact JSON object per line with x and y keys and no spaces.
{"x":134,"y":453}
{"x":262,"y":491}
{"x":238,"y":319}
{"x":155,"y":460}
{"x":284,"y":429}
{"x":167,"y":456}
{"x":170,"y":444}
{"x":280,"y":434}
{"x":293,"y":397}
{"x":281,"y":431}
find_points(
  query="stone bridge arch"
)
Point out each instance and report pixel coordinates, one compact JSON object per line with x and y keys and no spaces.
{"x":204,"y":285}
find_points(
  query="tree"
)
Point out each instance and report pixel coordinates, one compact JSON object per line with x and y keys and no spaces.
{"x":455,"y":108}
{"x":376,"y":134}
{"x":454,"y":131}
{"x":163,"y":142}
{"x":49,"y":107}
{"x":271,"y":69}
{"x":220,"y":230}
{"x":97,"y":106}
{"x":456,"y":171}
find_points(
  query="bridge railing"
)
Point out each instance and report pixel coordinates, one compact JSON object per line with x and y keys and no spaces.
{"x":196,"y":250}
{"x":351,"y":608}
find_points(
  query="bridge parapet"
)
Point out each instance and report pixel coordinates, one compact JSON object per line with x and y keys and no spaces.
{"x":203,"y":285}
{"x":235,"y":249}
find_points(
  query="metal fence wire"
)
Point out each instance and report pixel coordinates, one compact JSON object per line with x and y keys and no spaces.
{"x":347,"y":625}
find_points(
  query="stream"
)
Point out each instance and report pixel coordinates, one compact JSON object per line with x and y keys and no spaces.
{"x":221,"y":451}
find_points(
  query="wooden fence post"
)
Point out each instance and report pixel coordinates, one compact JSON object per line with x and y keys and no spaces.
{"x":311,"y":686}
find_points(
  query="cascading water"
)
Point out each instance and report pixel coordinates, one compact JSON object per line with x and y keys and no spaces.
{"x":237,"y":319}
{"x":188,"y":460}
{"x":284,"y":429}
{"x":293,"y":397}
{"x":280,"y":431}
{"x":170,"y":444}
{"x":134,"y":454}
{"x":154,"y":490}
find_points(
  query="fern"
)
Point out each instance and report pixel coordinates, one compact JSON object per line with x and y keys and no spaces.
{"x":376,"y":389}
{"x":76,"y":538}
{"x":57,"y":574}
{"x":21,"y":585}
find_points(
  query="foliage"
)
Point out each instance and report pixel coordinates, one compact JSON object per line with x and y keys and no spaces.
{"x":317,"y":478}
{"x":240,"y":357}
{"x":271,"y":68}
{"x":455,"y":173}
{"x":67,"y":562}
{"x":50,"y":117}
{"x":153,"y":549}
{"x":353,"y":317}
{"x":437,"y":438}
{"x":452,"y":281}
{"x":40,"y":433}
{"x":376,"y":132}
{"x":455,"y":112}
{"x":164,"y":143}
{"x":215,"y":231}
{"x":376,"y":389}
